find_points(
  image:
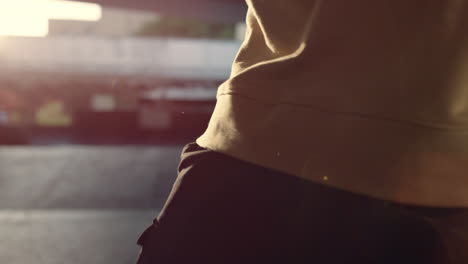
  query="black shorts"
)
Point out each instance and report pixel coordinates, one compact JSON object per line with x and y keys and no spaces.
{"x":224,"y":210}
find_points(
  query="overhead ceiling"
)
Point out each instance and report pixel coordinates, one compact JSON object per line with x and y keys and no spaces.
{"x":225,"y":11}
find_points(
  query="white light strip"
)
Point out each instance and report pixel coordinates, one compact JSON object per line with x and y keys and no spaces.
{"x":71,"y":10}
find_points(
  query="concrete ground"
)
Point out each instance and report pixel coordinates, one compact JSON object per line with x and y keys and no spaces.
{"x":80,"y":204}
{"x":71,"y":236}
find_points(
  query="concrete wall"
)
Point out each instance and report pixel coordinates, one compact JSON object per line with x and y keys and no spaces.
{"x":167,"y":58}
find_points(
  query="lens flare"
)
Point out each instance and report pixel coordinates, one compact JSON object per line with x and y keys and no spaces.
{"x":31,"y":17}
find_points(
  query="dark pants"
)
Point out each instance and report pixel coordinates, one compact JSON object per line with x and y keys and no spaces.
{"x":223,"y":210}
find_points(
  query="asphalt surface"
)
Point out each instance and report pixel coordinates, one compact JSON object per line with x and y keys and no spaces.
{"x":76,"y":236}
{"x":80,"y":204}
{"x":86,"y":177}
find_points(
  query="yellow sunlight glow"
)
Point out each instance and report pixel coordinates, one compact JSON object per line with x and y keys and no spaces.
{"x":31,"y":17}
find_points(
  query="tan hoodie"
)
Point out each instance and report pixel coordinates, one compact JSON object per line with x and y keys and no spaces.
{"x":369,"y":96}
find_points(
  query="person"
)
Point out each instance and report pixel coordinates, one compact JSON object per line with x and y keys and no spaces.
{"x":341,"y":136}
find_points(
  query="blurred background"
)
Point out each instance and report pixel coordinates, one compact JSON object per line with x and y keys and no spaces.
{"x":97,"y":100}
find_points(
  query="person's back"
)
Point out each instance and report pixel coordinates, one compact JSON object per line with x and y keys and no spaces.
{"x":372,"y":95}
{"x":365,"y":97}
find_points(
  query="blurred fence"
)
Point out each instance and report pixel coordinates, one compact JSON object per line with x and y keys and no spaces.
{"x":51,"y":85}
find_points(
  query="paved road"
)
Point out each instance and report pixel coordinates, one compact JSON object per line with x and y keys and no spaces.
{"x":71,"y":237}
{"x":80,"y":204}
{"x":86,"y":177}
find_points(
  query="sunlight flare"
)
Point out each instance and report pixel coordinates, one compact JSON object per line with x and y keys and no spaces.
{"x":31,"y":17}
